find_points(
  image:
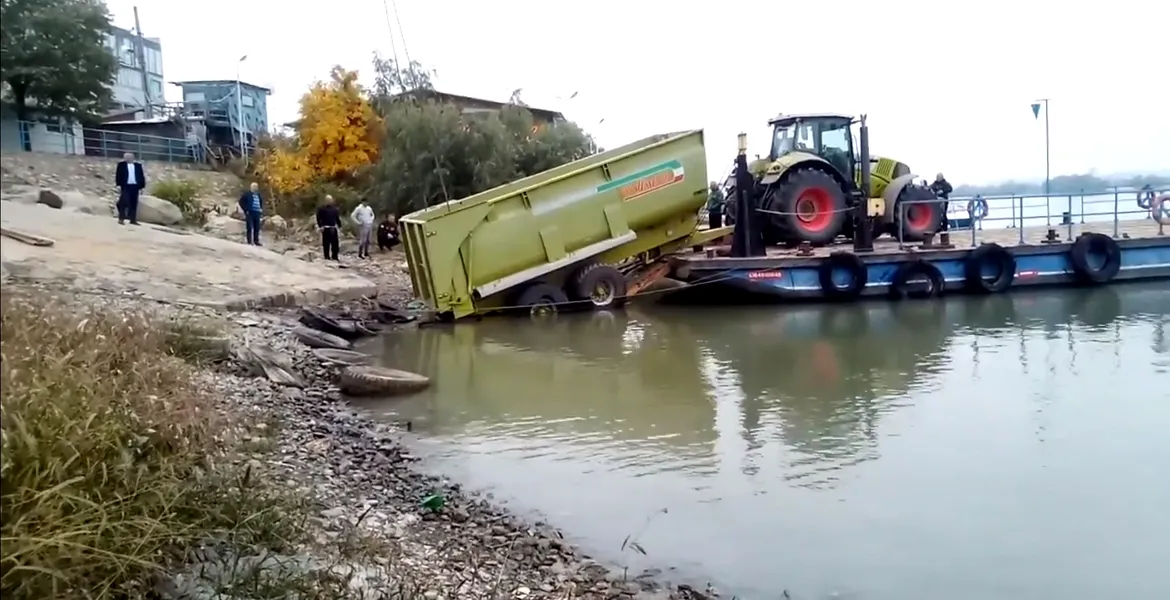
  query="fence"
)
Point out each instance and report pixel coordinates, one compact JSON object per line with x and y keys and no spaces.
{"x":85,"y":141}
{"x":1020,"y":211}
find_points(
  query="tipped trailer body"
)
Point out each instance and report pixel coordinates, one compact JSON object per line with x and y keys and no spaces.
{"x":575,"y":233}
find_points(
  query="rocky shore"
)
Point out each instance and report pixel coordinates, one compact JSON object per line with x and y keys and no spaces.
{"x":366,"y":489}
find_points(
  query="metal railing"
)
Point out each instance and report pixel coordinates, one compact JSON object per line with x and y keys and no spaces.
{"x":1054,"y":211}
{"x":976,"y":213}
{"x":31,"y":136}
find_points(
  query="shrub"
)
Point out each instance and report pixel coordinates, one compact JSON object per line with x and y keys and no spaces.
{"x":107,"y":471}
{"x":184,"y":194}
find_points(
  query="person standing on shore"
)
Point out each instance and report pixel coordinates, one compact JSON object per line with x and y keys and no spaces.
{"x":328,"y":222}
{"x":252,"y":205}
{"x":363,"y":216}
{"x":130,"y":178}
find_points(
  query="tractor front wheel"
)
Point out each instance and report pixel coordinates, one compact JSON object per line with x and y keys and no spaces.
{"x":809,"y":206}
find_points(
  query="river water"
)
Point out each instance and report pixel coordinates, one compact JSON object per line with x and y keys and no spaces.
{"x":1008,"y":447}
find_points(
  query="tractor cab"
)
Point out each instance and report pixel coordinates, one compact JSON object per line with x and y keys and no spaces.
{"x":825,"y":135}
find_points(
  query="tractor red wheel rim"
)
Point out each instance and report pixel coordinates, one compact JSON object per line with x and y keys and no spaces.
{"x":919,"y":217}
{"x":814,"y":209}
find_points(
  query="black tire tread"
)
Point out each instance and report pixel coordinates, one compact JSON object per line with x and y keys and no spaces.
{"x":1079,"y":257}
{"x":581,"y":286}
{"x":973,"y":269}
{"x":314,"y":338}
{"x":847,"y":260}
{"x":363,"y":380}
{"x":783,"y":199}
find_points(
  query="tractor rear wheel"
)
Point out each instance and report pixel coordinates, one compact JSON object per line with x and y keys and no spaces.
{"x":813,"y":207}
{"x":916,"y":216}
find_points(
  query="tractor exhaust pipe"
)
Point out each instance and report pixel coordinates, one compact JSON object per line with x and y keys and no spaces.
{"x":747,"y":238}
{"x":863,"y":230}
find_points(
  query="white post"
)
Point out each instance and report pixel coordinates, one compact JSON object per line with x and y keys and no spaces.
{"x":240,"y":111}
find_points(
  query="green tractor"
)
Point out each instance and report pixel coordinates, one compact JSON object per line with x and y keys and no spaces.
{"x":810,"y":181}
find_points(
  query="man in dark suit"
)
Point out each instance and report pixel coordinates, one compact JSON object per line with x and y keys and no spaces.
{"x":130,"y":179}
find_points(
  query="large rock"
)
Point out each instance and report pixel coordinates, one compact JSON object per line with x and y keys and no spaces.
{"x":158,"y":211}
{"x":81,"y":202}
{"x":50,"y":199}
{"x":224,"y":225}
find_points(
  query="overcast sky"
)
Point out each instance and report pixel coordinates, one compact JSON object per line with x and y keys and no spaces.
{"x":947,"y":85}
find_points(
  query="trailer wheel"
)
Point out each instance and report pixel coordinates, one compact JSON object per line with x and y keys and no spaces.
{"x":542,"y":299}
{"x":601,"y":285}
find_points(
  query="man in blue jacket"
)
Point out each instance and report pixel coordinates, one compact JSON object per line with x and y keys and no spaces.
{"x":252,"y":206}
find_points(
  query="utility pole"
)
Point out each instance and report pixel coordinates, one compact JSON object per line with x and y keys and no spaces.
{"x":140,"y":52}
{"x":240,"y":112}
{"x":1047,"y":145}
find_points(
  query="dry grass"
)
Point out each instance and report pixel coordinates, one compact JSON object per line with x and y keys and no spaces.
{"x":109,"y":468}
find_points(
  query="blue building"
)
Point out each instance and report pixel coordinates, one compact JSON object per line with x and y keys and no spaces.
{"x":216,"y":104}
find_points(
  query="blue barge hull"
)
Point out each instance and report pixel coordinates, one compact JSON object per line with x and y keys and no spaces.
{"x":1144,"y":255}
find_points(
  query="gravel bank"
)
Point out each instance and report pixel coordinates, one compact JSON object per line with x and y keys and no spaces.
{"x":363,"y":484}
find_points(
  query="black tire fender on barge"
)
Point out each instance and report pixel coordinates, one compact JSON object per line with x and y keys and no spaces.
{"x":1088,"y":245}
{"x":842,"y":261}
{"x":989,"y":255}
{"x":901,"y":286}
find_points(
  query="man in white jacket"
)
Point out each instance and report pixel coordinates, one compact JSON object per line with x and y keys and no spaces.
{"x":363,"y":215}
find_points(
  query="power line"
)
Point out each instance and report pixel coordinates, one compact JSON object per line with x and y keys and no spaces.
{"x":402,"y":36}
{"x":393,"y":46}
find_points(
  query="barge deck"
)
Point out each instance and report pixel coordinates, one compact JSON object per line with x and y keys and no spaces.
{"x":981,"y":261}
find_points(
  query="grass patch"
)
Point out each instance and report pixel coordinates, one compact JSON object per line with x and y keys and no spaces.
{"x":183,"y":193}
{"x":115,"y":467}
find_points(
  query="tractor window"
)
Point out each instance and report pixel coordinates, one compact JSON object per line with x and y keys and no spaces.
{"x":835,"y":146}
{"x":782,"y":141}
{"x":804,"y":137}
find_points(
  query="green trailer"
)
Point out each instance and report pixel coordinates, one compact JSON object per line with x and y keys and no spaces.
{"x":588,"y":233}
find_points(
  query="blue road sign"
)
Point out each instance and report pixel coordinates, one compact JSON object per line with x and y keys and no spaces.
{"x":1036,"y":110}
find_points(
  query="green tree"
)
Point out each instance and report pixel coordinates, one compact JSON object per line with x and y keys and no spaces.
{"x":433,"y":152}
{"x":392,"y":78}
{"x":53,"y":56}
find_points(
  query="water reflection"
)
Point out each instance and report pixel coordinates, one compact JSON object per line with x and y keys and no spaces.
{"x":907,"y":430}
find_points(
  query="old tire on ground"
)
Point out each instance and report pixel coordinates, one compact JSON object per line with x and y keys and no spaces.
{"x":813,"y":206}
{"x":843,"y":276}
{"x":601,"y":285}
{"x":314,"y":338}
{"x":916,"y":215}
{"x":1095,"y":258}
{"x":344,"y":358}
{"x":989,"y":269}
{"x":541,"y":299}
{"x":917,"y":279}
{"x":361,"y":380}
{"x":321,"y":320}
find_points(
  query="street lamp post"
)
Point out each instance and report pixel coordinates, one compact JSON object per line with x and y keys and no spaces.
{"x":240,"y":111}
{"x":1047,"y":146}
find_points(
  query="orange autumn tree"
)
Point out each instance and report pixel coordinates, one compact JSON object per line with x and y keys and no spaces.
{"x":335,"y":137}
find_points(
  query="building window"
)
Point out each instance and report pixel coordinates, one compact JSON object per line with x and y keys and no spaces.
{"x":194,"y":97}
{"x":247,"y":101}
{"x":156,"y":89}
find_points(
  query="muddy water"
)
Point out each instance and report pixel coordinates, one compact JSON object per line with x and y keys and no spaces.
{"x":1004,"y":447}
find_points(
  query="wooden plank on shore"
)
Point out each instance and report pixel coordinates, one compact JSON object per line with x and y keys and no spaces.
{"x":27,"y":238}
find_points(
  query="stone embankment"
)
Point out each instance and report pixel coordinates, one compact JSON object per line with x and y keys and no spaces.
{"x":357,"y":471}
